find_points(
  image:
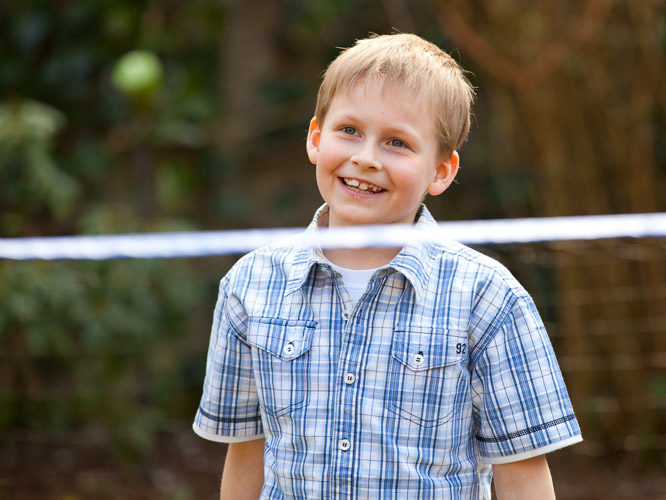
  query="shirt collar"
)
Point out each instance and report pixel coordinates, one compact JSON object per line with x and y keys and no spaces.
{"x":306,"y":256}
{"x":413,"y":261}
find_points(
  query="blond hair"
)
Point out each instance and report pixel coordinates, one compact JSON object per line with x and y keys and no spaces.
{"x":416,"y":65}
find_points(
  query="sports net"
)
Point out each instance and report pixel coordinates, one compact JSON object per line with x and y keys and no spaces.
{"x":604,"y":306}
{"x":138,"y":327}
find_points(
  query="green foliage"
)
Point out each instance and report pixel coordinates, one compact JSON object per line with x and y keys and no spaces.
{"x":103,"y":344}
{"x":30,"y":178}
{"x":93,"y":342}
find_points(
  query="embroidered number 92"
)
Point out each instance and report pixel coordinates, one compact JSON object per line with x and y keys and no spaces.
{"x":460,"y":348}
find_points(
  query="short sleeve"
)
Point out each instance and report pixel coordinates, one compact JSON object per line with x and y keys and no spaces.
{"x":521,"y":405}
{"x":229,"y":408}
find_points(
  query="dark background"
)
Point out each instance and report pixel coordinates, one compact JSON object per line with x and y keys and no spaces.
{"x":101,"y":363}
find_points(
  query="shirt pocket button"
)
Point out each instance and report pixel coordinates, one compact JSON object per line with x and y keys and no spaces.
{"x":289,"y":348}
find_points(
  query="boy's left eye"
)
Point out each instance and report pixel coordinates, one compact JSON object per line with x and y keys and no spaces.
{"x":397,"y":143}
{"x":349,"y":130}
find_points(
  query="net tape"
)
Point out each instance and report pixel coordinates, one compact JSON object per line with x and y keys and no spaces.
{"x":214,"y":243}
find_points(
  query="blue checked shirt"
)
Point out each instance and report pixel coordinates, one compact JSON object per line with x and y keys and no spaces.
{"x":440,"y":370}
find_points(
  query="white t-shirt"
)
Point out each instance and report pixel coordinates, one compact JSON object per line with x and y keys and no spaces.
{"x":355,"y":280}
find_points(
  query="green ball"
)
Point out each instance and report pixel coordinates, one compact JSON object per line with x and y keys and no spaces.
{"x":138,"y":74}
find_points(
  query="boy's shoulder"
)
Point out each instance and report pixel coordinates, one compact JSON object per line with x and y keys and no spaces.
{"x":272,"y":262}
{"x":277,"y":261}
{"x":458,"y":258}
{"x":457,"y":261}
{"x":484,"y":292}
{"x":471,"y":256}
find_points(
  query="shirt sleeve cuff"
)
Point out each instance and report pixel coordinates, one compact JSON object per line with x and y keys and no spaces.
{"x":223,"y":439}
{"x":532,"y":453}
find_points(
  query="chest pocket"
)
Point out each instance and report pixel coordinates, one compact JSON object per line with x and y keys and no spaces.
{"x":281,"y":362}
{"x":427,"y":375}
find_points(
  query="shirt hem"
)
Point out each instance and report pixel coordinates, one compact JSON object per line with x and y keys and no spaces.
{"x":532,"y":453}
{"x":224,"y":439}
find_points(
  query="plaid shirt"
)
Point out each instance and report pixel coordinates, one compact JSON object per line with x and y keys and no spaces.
{"x":441,"y":369}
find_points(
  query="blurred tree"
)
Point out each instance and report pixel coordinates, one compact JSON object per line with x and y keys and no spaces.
{"x":573,"y":88}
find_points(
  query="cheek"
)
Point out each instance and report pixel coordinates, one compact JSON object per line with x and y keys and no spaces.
{"x":410,"y":182}
{"x":329,"y":158}
{"x":324,"y":176}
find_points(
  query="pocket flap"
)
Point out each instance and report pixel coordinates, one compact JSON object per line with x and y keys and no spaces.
{"x":285,"y":339}
{"x":425,"y":349}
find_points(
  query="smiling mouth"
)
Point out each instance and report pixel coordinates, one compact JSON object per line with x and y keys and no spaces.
{"x":360,"y":186}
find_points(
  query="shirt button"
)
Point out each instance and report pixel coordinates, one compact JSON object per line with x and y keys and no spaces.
{"x":345,"y":316}
{"x":289,"y":348}
{"x":418,"y":359}
{"x":344,"y":444}
{"x":350,"y":378}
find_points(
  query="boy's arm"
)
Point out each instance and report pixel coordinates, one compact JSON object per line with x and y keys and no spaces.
{"x":525,"y":479}
{"x":243,"y":475}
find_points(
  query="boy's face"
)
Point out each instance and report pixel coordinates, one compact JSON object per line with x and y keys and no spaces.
{"x":377,"y":155}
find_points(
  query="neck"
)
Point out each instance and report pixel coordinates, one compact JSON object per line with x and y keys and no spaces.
{"x":362,"y":258}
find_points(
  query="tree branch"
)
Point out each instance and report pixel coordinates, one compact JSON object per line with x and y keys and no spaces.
{"x":547,"y":61}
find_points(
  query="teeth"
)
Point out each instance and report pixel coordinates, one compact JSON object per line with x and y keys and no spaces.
{"x":362,"y":186}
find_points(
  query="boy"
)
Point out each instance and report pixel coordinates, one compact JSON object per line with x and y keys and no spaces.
{"x":382,"y":373}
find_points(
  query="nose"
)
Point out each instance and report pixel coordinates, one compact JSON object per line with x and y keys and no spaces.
{"x":366,"y":156}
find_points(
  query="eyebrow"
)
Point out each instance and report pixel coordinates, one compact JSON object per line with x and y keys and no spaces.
{"x":409,"y":135}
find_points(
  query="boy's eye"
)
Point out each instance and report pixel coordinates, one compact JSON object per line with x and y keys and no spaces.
{"x":349,"y":130}
{"x":397,"y":143}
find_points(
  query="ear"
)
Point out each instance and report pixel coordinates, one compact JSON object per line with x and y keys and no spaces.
{"x":446,"y":172}
{"x":312,"y":144}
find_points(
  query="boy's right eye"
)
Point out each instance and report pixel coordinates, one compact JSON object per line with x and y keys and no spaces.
{"x":349,"y":130}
